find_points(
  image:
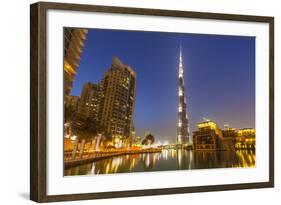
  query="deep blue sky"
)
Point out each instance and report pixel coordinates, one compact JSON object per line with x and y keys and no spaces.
{"x":219,"y":74}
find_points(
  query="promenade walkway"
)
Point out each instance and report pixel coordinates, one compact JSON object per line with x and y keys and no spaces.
{"x":87,"y":157}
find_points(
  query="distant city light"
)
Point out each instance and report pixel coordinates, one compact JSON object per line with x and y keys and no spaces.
{"x":73,"y":137}
{"x":166,"y":142}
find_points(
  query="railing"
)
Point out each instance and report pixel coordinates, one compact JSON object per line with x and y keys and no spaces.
{"x":74,"y":159}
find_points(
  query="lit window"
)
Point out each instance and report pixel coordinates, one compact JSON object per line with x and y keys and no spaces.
{"x":180,"y":92}
{"x":180,"y":72}
{"x":180,"y":108}
{"x":180,"y":124}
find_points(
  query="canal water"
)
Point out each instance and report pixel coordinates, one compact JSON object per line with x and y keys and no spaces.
{"x":167,"y":160}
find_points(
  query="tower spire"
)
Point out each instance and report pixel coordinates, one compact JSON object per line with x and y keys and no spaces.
{"x":183,"y":133}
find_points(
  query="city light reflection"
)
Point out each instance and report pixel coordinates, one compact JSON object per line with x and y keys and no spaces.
{"x":169,"y":159}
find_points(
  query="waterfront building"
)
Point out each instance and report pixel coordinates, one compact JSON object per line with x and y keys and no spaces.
{"x":209,"y":137}
{"x":183,"y":132}
{"x":89,"y":101}
{"x":230,"y":134}
{"x":247,"y":132}
{"x":246,"y":139}
{"x":117,"y":101}
{"x":73,"y":47}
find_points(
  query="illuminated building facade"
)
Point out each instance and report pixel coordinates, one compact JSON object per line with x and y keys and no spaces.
{"x":73,"y":47}
{"x":117,"y":101}
{"x":210,"y":137}
{"x":230,"y":134}
{"x":246,"y":139}
{"x":207,"y":136}
{"x":183,"y":133}
{"x":89,"y":101}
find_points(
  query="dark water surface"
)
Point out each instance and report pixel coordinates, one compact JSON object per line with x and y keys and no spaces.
{"x":167,"y":160}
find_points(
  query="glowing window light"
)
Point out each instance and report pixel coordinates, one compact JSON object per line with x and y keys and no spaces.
{"x":180,"y":72}
{"x":180,"y":92}
{"x":180,"y":108}
{"x":73,"y":137}
{"x":179,"y":138}
{"x":179,"y":124}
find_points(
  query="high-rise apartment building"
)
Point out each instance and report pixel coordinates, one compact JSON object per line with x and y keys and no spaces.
{"x":73,"y":47}
{"x":89,"y":101}
{"x":111,"y":102}
{"x":117,"y":100}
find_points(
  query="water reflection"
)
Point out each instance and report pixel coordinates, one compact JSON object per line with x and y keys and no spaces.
{"x":167,"y":160}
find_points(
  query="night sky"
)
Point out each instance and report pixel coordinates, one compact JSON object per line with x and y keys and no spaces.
{"x":219,"y":74}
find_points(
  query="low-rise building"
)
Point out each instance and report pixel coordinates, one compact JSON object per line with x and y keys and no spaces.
{"x":209,"y":137}
{"x":246,"y":139}
{"x":206,"y":137}
{"x":230,"y":134}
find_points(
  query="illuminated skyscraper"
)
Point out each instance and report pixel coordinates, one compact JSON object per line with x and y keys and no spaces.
{"x":73,"y":46}
{"x":183,"y":133}
{"x":117,"y":100}
{"x":88,"y":105}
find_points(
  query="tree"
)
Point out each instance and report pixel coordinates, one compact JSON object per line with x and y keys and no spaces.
{"x":81,"y":126}
{"x":148,"y":140}
{"x":85,"y":128}
{"x":69,"y":113}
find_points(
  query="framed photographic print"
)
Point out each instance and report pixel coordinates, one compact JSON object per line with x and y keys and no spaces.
{"x":135,"y":102}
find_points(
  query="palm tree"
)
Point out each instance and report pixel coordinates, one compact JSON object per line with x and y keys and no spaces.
{"x":148,"y":140}
{"x":85,"y":128}
{"x":69,"y":113}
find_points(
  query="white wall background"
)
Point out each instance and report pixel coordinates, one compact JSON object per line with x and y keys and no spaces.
{"x":14,"y":103}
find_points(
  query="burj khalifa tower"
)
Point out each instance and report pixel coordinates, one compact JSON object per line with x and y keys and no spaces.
{"x":183,"y":131}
